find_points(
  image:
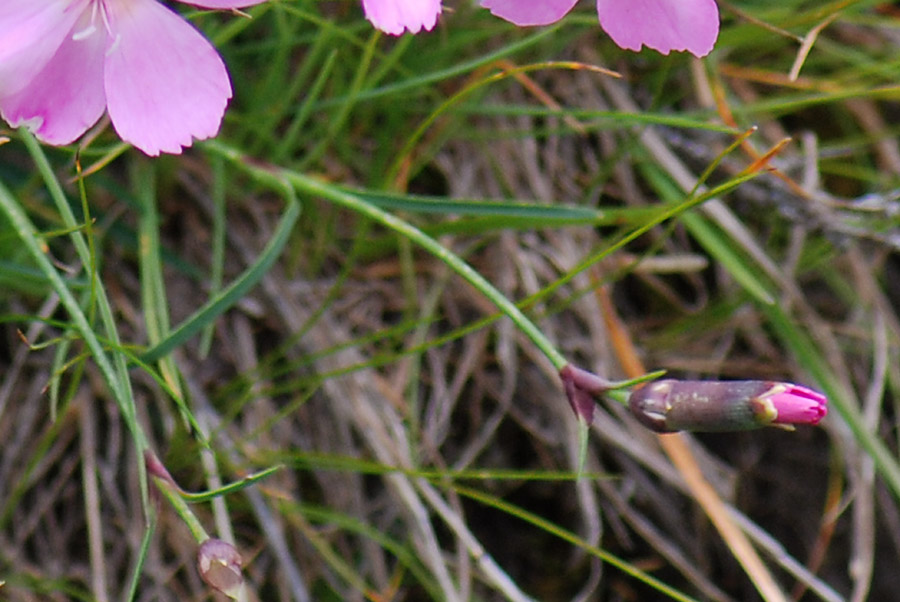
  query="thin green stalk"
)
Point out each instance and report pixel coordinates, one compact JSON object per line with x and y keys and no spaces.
{"x":153,"y":286}
{"x":173,"y":495}
{"x":141,"y":558}
{"x":313,"y":187}
{"x":231,"y":294}
{"x":407,"y":149}
{"x":338,"y":120}
{"x":306,"y":184}
{"x":120,"y":389}
{"x":217,"y":261}
{"x":547,"y":526}
{"x":114,"y":369}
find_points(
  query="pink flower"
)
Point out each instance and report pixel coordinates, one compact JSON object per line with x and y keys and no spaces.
{"x":63,"y":62}
{"x":396,"y":16}
{"x":670,"y":405}
{"x":663,"y":25}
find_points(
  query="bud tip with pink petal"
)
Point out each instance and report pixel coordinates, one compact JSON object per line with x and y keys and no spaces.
{"x":794,"y":404}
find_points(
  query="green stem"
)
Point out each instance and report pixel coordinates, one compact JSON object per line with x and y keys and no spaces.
{"x":231,"y":294}
{"x":30,"y":238}
{"x":313,"y":187}
{"x":114,"y":368}
{"x":171,"y":493}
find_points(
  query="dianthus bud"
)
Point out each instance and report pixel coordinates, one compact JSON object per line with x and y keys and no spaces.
{"x":668,"y":405}
{"x":220,"y":566}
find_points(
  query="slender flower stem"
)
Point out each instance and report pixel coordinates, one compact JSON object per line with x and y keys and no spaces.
{"x":171,"y":493}
{"x":311,"y":186}
{"x":112,"y":366}
{"x":306,"y":184}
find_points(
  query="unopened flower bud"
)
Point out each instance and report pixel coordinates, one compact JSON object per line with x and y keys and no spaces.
{"x":667,"y":406}
{"x":220,"y":566}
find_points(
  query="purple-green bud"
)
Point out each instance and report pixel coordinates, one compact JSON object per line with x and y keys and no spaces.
{"x":667,"y":406}
{"x":220,"y":566}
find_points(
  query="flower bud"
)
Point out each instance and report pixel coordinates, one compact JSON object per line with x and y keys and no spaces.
{"x":220,"y":566}
{"x":670,"y":405}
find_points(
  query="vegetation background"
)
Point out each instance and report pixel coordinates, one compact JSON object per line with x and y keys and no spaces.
{"x":263,"y":300}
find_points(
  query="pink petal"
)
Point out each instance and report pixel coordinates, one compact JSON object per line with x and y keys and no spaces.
{"x":799,"y":405}
{"x":395,"y":16}
{"x":30,"y":33}
{"x":533,"y":12}
{"x":165,"y":84}
{"x":663,"y":25}
{"x":66,"y":97}
{"x":222,"y":3}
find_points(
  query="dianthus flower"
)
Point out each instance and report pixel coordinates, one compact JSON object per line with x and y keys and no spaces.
{"x":63,"y":62}
{"x":663,"y":25}
{"x":396,"y":16}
